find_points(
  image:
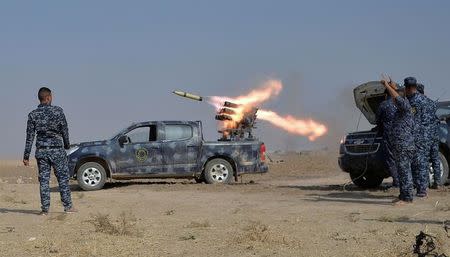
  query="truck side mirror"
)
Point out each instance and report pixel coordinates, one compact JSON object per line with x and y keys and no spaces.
{"x":123,"y":140}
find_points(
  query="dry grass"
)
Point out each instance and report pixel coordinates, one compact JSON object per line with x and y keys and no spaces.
{"x":354,"y":217}
{"x":443,"y":208}
{"x":403,"y":231}
{"x":393,"y":219}
{"x":195,"y":224}
{"x":257,"y":232}
{"x":170,"y":212}
{"x":188,"y":237}
{"x":47,"y":245}
{"x":124,"y":225}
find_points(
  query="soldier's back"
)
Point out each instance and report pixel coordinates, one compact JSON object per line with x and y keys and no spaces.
{"x":386,"y":114}
{"x":431,"y":119}
{"x":419,"y":104}
{"x":388,"y":108}
{"x":48,"y":123}
{"x":403,"y":125}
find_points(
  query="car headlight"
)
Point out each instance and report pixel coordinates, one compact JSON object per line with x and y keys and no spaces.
{"x":343,"y":139}
{"x":72,"y":150}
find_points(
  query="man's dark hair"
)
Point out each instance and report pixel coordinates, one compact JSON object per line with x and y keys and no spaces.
{"x":43,"y":93}
{"x":410,"y":82}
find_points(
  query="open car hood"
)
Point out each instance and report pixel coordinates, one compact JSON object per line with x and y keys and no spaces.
{"x":368,"y":97}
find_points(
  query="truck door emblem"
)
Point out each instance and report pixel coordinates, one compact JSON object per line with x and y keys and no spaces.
{"x":141,"y":155}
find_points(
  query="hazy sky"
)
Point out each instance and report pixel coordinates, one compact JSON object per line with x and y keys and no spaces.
{"x":110,"y":63}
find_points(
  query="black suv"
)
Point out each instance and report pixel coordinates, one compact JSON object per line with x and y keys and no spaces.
{"x":360,"y":152}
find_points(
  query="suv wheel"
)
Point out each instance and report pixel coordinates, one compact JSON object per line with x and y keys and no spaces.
{"x":366,"y":181}
{"x":91,"y":176}
{"x":444,"y":170}
{"x":218,"y":171}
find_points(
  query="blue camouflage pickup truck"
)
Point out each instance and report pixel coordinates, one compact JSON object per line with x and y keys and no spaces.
{"x":164,"y":149}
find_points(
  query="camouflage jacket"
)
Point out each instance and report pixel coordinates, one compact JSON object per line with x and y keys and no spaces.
{"x":386,"y":116}
{"x":431,"y":120}
{"x":419,"y":104}
{"x":403,"y":125}
{"x":48,"y":123}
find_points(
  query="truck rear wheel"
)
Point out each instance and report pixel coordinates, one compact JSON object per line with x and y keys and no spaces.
{"x":366,"y":180}
{"x":218,"y":171}
{"x":91,"y":176}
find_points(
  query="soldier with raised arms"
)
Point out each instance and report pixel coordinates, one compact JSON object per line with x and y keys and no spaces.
{"x":402,"y":141}
{"x":48,"y":123}
{"x":385,"y":117}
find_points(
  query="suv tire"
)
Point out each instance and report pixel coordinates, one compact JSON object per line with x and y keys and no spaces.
{"x":445,"y":176}
{"x":91,"y":176}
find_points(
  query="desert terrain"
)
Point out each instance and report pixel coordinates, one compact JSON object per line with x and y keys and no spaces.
{"x":305,"y":206}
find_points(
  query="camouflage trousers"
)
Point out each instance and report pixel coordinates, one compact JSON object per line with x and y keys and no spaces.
{"x":420,"y":167}
{"x":435,"y":161}
{"x":403,"y":157}
{"x":389,"y":161}
{"x":56,"y":158}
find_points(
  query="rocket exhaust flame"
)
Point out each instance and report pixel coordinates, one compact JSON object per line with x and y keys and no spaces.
{"x":255,"y":97}
{"x":239,"y":107}
{"x":308,"y":127}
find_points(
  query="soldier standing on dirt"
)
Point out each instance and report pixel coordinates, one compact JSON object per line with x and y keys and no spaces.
{"x":432,"y":130}
{"x":385,"y":118}
{"x":49,"y":124}
{"x":419,"y":108}
{"x":402,"y":140}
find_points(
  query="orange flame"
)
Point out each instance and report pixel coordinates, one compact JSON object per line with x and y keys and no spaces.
{"x":255,"y":98}
{"x":309,"y":127}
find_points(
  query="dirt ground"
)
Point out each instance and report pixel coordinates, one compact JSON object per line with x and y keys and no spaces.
{"x":300,"y":208}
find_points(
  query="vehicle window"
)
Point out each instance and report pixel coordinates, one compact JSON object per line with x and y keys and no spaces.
{"x":142,"y":134}
{"x":178,"y":132}
{"x":443,"y":111}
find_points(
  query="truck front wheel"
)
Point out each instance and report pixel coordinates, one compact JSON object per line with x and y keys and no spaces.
{"x":444,"y":170}
{"x":218,"y":171}
{"x":91,"y":176}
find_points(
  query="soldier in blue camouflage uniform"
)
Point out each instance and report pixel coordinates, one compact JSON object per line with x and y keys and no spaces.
{"x":402,"y":141}
{"x":432,"y":131}
{"x":49,"y":125}
{"x":419,"y":107}
{"x":385,"y":118}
